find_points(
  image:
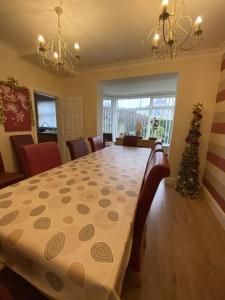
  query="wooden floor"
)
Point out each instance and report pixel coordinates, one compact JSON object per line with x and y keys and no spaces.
{"x":185,"y":254}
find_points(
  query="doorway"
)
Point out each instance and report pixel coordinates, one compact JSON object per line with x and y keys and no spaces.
{"x":45,"y":110}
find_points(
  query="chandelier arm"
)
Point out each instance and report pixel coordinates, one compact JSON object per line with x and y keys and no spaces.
{"x":164,"y":34}
{"x":187,"y":38}
{"x":189,"y":48}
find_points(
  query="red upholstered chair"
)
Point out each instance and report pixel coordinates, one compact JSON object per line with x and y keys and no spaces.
{"x":5,"y":294}
{"x":77,"y":148}
{"x":38,"y":158}
{"x":96,"y":143}
{"x":130,"y":140}
{"x":157,"y":169}
{"x":16,"y":142}
{"x":8,"y":178}
{"x":14,"y":287}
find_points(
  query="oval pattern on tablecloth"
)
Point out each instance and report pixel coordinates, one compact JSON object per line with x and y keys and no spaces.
{"x":131,"y":194}
{"x":5,"y":195}
{"x":70,"y":181}
{"x":86,"y":233}
{"x":42,"y":223}
{"x":9,"y":218}
{"x":64,"y":190}
{"x":66,"y":199}
{"x":76,"y":273}
{"x":27,"y":202}
{"x":5,"y":204}
{"x":113,"y":216}
{"x":101,"y":252}
{"x":55,"y":281}
{"x":104,"y":202}
{"x":120,"y":187}
{"x":33,"y":181}
{"x":32,"y":188}
{"x":37,"y":210}
{"x":43,"y":195}
{"x":54,"y":245}
{"x":105,"y":191}
{"x":68,"y":219}
{"x":83,"y":209}
{"x":14,"y":236}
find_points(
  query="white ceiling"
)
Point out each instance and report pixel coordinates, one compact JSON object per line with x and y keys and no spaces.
{"x":165,"y":83}
{"x":109,"y":31}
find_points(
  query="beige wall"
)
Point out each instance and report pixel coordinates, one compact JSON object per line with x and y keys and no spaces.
{"x":27,"y":75}
{"x":197,"y":81}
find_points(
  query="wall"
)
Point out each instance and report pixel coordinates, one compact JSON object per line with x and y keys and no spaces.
{"x":27,"y":75}
{"x":197,"y":81}
{"x":214,"y":176}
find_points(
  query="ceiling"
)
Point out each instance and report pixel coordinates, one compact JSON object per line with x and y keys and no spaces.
{"x":164,"y":83}
{"x":107,"y":31}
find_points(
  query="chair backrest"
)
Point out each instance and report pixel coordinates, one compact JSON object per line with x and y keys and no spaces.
{"x":107,"y":137}
{"x":16,"y":142}
{"x":157,"y":169}
{"x":2,"y":168}
{"x":77,"y":148}
{"x":130,"y":140}
{"x":38,"y":158}
{"x":96,"y":143}
{"x":5,"y":293}
{"x":158,"y":141}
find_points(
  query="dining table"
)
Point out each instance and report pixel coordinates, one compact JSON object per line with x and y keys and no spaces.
{"x":68,"y":231}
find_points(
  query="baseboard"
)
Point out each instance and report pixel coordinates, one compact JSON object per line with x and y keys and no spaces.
{"x":220,"y":215}
{"x":171,"y":181}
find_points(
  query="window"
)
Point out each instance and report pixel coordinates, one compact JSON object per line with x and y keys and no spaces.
{"x":120,"y":115}
{"x":46,"y":110}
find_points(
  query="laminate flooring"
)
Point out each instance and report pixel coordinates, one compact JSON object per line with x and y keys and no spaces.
{"x":185,"y":254}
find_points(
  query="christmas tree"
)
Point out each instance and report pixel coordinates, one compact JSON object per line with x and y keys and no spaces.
{"x":187,"y":181}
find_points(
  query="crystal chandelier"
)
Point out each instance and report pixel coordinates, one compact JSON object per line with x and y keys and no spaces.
{"x":56,"y":54}
{"x":175,"y":32}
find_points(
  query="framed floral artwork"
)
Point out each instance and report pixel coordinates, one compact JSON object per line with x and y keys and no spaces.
{"x":15,"y":106}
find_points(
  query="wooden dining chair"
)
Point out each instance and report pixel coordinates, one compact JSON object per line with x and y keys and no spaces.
{"x":38,"y":158}
{"x":107,"y":137}
{"x":77,"y":148}
{"x":96,"y":143}
{"x":8,"y":178}
{"x":130,"y":140}
{"x":157,"y":169}
{"x":16,"y":142}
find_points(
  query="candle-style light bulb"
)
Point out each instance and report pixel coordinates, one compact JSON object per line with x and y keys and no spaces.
{"x":41,"y":39}
{"x":198,"y":20}
{"x":198,"y":30}
{"x":77,"y":50}
{"x":165,"y":4}
{"x":56,"y":55}
{"x":76,"y":46}
{"x":156,"y":39}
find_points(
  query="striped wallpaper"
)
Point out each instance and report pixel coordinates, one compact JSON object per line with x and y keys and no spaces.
{"x":214,"y":177}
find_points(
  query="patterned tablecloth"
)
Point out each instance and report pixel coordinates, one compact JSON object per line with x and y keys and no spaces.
{"x":68,"y":230}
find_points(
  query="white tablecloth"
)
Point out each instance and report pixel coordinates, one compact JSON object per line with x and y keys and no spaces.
{"x":68,"y":230}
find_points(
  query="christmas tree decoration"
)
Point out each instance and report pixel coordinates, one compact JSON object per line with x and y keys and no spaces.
{"x":187,"y":182}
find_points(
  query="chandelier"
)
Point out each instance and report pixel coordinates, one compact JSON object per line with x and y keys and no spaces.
{"x":175,"y":32}
{"x":56,"y":54}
